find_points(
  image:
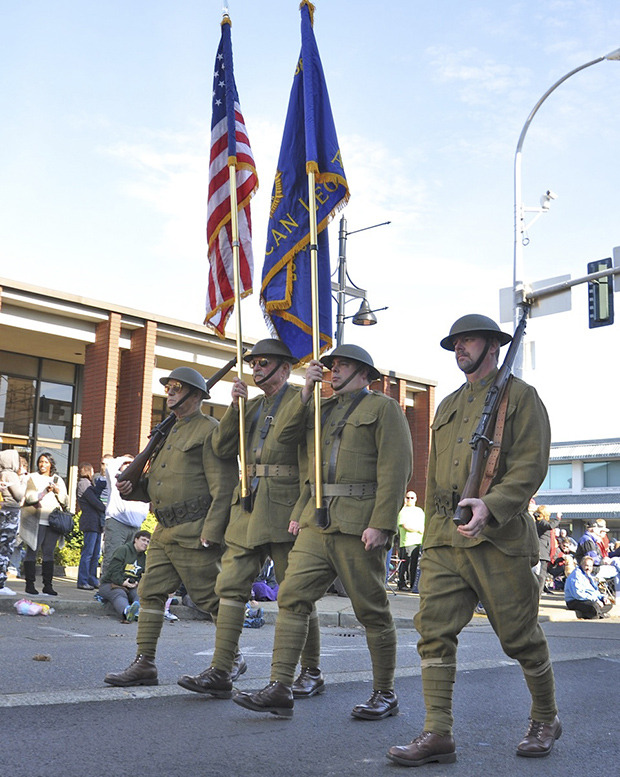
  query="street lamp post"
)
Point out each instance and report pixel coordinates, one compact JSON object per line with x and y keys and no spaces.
{"x":364,"y":316}
{"x":519,"y":291}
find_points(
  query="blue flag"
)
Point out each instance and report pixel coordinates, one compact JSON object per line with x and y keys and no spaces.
{"x":309,"y":144}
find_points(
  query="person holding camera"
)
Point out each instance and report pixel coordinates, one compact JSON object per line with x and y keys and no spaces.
{"x":45,"y":491}
{"x":119,"y":584}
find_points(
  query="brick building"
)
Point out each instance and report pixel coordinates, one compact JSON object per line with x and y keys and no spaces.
{"x":80,"y":378}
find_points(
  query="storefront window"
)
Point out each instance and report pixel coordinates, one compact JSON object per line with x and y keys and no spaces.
{"x":601,"y":474}
{"x":17,"y":397}
{"x":55,"y":411}
{"x":559,"y":478}
{"x":36,"y":408}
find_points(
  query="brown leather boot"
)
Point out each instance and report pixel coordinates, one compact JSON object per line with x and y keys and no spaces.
{"x":213,"y":681}
{"x":426,"y":748}
{"x":381,"y":705}
{"x":539,"y":738}
{"x":276,"y":698}
{"x":309,"y":683}
{"x":141,"y":672}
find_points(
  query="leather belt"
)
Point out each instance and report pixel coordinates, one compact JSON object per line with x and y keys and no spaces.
{"x":347,"y":489}
{"x":273,"y":470}
{"x":183,"y":512}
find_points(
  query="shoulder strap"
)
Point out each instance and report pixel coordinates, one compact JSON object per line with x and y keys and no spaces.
{"x":337,"y":435}
{"x":493,"y":460}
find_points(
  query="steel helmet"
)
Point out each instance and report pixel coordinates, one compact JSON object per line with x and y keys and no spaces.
{"x":355,"y":353}
{"x":474,"y":322}
{"x":270,"y":347}
{"x":190,"y":377}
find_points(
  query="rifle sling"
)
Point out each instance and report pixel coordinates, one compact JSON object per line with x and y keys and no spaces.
{"x":493,"y":459}
{"x":258,"y":452}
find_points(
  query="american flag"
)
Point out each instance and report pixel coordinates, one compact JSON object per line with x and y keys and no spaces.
{"x":230,"y":145}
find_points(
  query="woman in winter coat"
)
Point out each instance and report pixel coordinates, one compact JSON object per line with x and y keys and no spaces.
{"x":91,"y":524}
{"x":45,"y":491}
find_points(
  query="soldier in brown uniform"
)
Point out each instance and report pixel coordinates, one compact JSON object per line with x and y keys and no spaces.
{"x":490,"y":558}
{"x":189,"y":489}
{"x":366,"y":461}
{"x":266,"y":528}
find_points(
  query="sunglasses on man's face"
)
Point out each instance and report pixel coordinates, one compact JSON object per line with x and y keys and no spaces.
{"x":259,"y":363}
{"x":173,"y":387}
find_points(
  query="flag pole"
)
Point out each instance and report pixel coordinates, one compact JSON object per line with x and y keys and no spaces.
{"x":322,"y":519}
{"x":234,"y":226}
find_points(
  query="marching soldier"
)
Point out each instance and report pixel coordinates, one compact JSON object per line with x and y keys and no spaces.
{"x":189,"y":489}
{"x":266,"y":528}
{"x":490,"y":558}
{"x":366,"y":460}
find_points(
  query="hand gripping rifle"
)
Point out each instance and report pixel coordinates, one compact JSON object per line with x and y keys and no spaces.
{"x":134,"y":471}
{"x":482,"y":439}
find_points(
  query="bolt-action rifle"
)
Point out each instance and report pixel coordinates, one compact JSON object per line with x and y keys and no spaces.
{"x":134,"y":471}
{"x":482,"y":439}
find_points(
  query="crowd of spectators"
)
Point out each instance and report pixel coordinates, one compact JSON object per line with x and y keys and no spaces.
{"x":586,"y":570}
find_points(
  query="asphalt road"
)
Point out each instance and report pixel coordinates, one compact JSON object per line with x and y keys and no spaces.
{"x":60,"y":720}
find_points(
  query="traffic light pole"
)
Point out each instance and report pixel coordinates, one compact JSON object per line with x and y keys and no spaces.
{"x":547,"y":291}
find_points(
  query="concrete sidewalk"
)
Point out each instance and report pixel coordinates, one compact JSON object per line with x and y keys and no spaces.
{"x":333,"y":610}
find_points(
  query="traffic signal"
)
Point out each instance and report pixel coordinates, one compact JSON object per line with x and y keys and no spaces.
{"x":600,"y":295}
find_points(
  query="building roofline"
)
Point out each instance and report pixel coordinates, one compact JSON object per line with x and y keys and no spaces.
{"x":572,"y":443}
{"x":129,"y":315}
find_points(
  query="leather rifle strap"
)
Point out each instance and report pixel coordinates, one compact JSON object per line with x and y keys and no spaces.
{"x":493,"y":459}
{"x":264,"y":430}
{"x":337,"y":435}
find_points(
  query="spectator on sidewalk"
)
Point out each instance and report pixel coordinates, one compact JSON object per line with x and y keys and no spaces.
{"x":12,"y":490}
{"x":101,"y":480}
{"x":411,"y":530}
{"x":588,"y":544}
{"x":119,"y":584}
{"x":582,"y":594}
{"x":563,"y":564}
{"x":545,"y":528}
{"x":122,"y":517}
{"x":91,"y":525}
{"x":45,"y":491}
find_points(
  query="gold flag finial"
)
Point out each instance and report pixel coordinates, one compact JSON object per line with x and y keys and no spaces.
{"x":310,"y":9}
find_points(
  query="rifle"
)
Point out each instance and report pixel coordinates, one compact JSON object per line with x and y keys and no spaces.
{"x":482,"y":438}
{"x":134,"y":471}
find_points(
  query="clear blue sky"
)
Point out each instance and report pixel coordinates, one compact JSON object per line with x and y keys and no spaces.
{"x":104,"y":148}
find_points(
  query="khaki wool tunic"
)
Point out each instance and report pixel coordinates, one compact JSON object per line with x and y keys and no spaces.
{"x":186,"y":468}
{"x":523,"y":461}
{"x":275,"y":496}
{"x":375,"y":448}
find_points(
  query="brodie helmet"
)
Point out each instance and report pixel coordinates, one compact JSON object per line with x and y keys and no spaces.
{"x":475,"y":323}
{"x":190,"y":377}
{"x":270,"y":347}
{"x":355,"y":353}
